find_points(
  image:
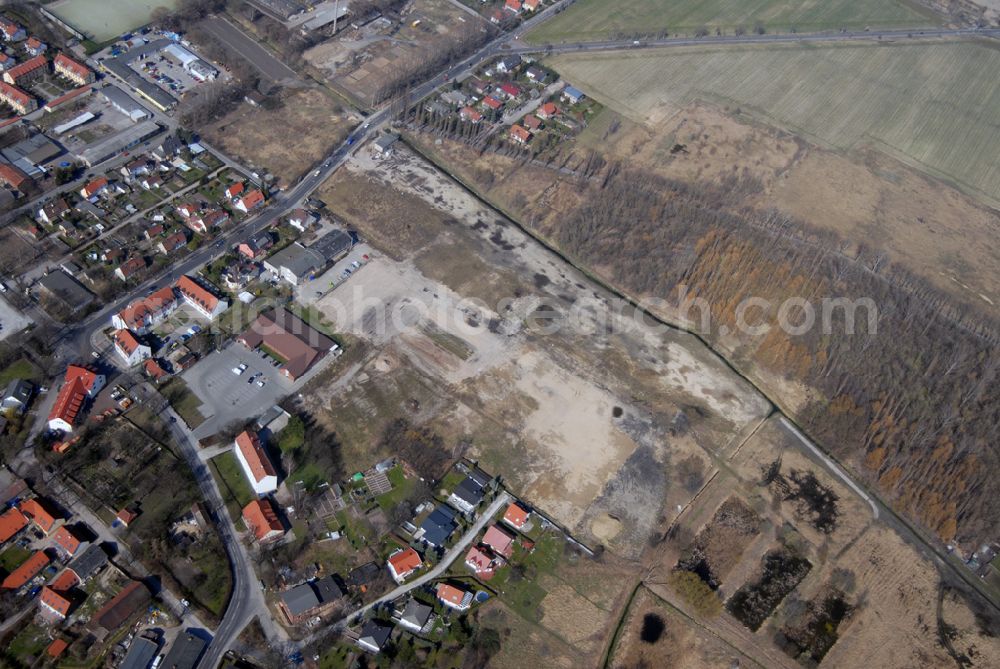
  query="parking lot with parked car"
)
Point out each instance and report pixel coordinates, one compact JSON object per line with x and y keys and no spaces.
{"x":234,"y":383}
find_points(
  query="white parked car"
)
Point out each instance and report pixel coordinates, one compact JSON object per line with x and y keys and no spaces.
{"x":239,"y":370}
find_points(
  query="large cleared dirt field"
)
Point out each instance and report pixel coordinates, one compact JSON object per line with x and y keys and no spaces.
{"x":547,"y":382}
{"x":933,"y":105}
{"x":598,"y":19}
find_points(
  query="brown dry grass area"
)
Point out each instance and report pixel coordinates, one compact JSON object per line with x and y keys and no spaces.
{"x":724,"y":539}
{"x":288,"y":141}
{"x":895,"y":624}
{"x":574,"y":618}
{"x":683,"y":645}
{"x":397,"y":223}
{"x":467,"y":273}
{"x":922,"y":223}
{"x":525,"y":644}
{"x":971,"y":636}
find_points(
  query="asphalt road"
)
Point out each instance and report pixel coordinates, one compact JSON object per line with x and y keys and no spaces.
{"x":246,"y":600}
{"x":234,"y":39}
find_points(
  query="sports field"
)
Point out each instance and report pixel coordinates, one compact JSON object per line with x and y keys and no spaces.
{"x":600,"y":19}
{"x":101,"y":20}
{"x":933,"y":105}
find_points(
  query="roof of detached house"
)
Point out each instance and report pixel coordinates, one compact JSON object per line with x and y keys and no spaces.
{"x":501,"y":542}
{"x":38,"y":514}
{"x":449,"y":593}
{"x":126,"y":341}
{"x":79,"y":381}
{"x":515,"y":515}
{"x":260,"y":465}
{"x":260,"y":517}
{"x":405,"y":561}
{"x":27,"y":571}
{"x":12,"y":521}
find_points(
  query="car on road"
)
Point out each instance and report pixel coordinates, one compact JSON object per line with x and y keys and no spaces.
{"x":240,"y":369}
{"x":316,"y":173}
{"x":355,"y":264}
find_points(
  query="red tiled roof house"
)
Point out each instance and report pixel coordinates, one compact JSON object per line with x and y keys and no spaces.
{"x":80,"y":385}
{"x":256,"y":465}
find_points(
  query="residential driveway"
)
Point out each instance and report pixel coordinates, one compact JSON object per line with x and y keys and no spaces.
{"x":227,"y":397}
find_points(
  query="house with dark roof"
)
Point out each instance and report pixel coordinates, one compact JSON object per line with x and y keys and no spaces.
{"x":140,"y":653}
{"x":437,"y":527}
{"x":309,"y":599}
{"x":17,"y":396}
{"x":374,"y":635}
{"x":295,"y":263}
{"x":469,"y":494}
{"x":88,"y":563}
{"x":185,"y":653}
{"x":60,"y":286}
{"x":121,"y":607}
{"x":257,"y":245}
{"x":415,"y":615}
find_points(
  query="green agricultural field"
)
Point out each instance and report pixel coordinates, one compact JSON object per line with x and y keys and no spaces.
{"x":600,"y":19}
{"x":932,"y":105}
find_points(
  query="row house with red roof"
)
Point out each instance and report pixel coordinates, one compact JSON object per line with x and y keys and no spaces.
{"x":129,"y":348}
{"x":80,"y":385}
{"x":18,"y":100}
{"x":26,"y":72}
{"x":255,"y":463}
{"x":73,"y":70}
{"x":144,"y":314}
{"x":204,"y":301}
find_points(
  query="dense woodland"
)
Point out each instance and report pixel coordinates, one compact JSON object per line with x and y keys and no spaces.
{"x":912,"y":406}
